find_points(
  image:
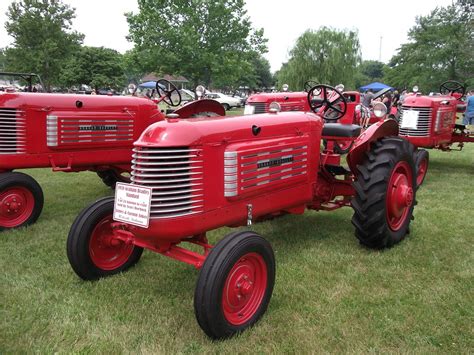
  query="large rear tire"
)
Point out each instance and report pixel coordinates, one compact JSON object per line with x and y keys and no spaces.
{"x":235,"y":284}
{"x":21,"y":200}
{"x":385,"y":188}
{"x":91,"y":250}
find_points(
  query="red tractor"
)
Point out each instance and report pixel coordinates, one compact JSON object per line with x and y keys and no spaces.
{"x":430,"y":122}
{"x":354,"y":112}
{"x":71,"y":133}
{"x":190,"y":176}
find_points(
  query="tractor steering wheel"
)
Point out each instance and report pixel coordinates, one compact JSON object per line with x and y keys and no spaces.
{"x":452,"y":86}
{"x":327,"y":102}
{"x":309,"y":84}
{"x":167,"y":95}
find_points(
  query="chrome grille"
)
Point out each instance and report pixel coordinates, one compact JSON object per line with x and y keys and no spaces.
{"x":259,"y":107}
{"x":423,"y":125}
{"x":12,"y":131}
{"x":175,"y":174}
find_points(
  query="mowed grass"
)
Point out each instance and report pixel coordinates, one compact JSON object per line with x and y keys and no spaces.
{"x":331,"y":294}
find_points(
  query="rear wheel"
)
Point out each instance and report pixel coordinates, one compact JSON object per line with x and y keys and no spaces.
{"x":21,"y":200}
{"x":235,"y":284}
{"x":385,"y":193}
{"x":112,"y":176}
{"x":92,"y":250}
{"x":422,"y":159}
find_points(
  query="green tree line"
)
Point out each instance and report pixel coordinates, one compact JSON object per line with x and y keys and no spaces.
{"x":212,"y":42}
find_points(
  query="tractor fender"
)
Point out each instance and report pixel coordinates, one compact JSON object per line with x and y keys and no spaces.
{"x":362,"y":143}
{"x":200,"y":106}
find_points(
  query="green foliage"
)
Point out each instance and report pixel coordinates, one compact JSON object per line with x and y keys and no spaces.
{"x":258,"y":76}
{"x":42,"y":37}
{"x":441,"y":47}
{"x":3,"y":59}
{"x":369,"y":71}
{"x":97,"y":67}
{"x":209,"y":42}
{"x":327,"y":56}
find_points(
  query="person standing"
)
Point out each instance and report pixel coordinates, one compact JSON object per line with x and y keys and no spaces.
{"x":469,"y":114}
{"x":368,"y":97}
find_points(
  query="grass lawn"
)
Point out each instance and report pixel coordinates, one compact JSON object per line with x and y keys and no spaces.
{"x":331,"y":295}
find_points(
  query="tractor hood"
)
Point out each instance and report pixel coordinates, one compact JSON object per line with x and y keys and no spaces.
{"x":279,"y":97}
{"x":222,"y":130}
{"x":66,"y":102}
{"x":426,"y":101}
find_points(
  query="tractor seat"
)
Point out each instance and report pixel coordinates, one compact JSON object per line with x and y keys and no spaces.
{"x":341,"y":130}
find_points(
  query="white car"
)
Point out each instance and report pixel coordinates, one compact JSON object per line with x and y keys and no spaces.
{"x":227,"y":101}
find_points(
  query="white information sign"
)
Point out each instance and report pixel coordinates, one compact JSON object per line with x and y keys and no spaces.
{"x":249,"y":110}
{"x":132,"y":204}
{"x":410,"y":119}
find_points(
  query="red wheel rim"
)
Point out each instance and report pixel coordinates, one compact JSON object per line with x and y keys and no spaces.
{"x":106,"y":251}
{"x":422,"y":168}
{"x":16,"y":206}
{"x":244,"y":288}
{"x":399,"y":195}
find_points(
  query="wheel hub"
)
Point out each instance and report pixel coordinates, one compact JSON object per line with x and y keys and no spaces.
{"x":16,"y":206}
{"x":400,"y":195}
{"x":244,"y":288}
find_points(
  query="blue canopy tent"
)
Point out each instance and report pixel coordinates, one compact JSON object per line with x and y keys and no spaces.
{"x":376,"y":86}
{"x":148,"y":85}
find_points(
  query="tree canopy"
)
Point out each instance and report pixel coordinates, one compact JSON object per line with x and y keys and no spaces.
{"x":369,"y":71}
{"x":97,"y":67}
{"x":441,"y":47}
{"x":42,"y":37}
{"x":211,"y":42}
{"x":326,"y":56}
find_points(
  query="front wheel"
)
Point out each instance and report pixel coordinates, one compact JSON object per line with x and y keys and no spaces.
{"x":422,"y":159}
{"x":235,"y":284}
{"x":21,"y":200}
{"x":92,"y":250}
{"x":226,"y":107}
{"x":385,"y":188}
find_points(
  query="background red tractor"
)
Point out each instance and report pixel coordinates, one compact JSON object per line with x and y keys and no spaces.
{"x":190,"y":176}
{"x":71,"y":133}
{"x":430,"y":122}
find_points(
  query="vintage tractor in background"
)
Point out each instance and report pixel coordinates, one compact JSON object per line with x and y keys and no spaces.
{"x":430,"y":122}
{"x":354,"y":112}
{"x":71,"y":133}
{"x":190,"y":176}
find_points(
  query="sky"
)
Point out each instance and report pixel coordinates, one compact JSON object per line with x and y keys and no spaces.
{"x":377,"y":22}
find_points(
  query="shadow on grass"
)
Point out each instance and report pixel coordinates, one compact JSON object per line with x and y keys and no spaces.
{"x":451,"y":166}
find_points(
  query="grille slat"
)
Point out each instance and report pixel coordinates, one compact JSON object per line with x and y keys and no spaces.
{"x":260,"y":107}
{"x":12,"y":131}
{"x":423,"y":124}
{"x":175,"y":176}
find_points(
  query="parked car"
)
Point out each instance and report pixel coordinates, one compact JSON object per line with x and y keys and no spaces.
{"x":227,"y":101}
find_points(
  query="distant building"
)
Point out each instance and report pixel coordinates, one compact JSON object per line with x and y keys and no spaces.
{"x":179,"y":81}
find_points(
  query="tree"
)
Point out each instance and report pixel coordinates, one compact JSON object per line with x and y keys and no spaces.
{"x":42,"y":37}
{"x":326,"y":56}
{"x":97,"y":67}
{"x":369,"y":71}
{"x":209,"y":42}
{"x":258,"y":76}
{"x":3,"y":59}
{"x":441,"y":47}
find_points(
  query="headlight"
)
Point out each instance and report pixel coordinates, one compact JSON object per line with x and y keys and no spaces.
{"x":380,"y":109}
{"x":415,"y":88}
{"x":275,"y":106}
{"x":200,"y":91}
{"x":285,"y":87}
{"x":249,"y":109}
